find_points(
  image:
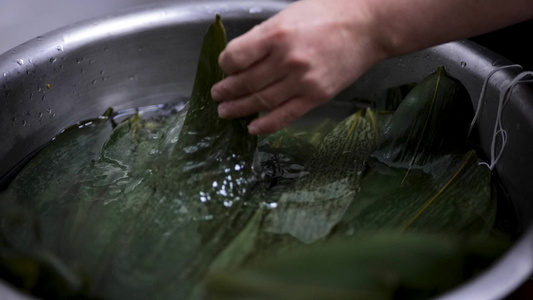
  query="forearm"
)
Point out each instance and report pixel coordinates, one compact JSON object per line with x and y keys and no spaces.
{"x":403,"y":26}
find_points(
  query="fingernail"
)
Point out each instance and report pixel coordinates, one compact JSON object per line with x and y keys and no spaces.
{"x":222,"y":111}
{"x":214,"y":93}
{"x":253,"y":129}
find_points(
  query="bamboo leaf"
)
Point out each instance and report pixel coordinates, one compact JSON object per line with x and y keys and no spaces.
{"x":312,"y":205}
{"x":457,"y":201}
{"x":433,"y":120}
{"x":387,"y":100}
{"x":159,"y":201}
{"x":423,"y":177}
{"x":214,"y":157}
{"x":378,"y":266}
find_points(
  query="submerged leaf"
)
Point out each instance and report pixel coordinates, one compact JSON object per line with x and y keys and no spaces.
{"x":157,"y":202}
{"x":310,"y":207}
{"x":383,"y":266}
{"x":33,"y":210}
{"x":458,"y":200}
{"x":48,"y":180}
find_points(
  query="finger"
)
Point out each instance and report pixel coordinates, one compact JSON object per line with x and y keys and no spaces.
{"x":250,"y":81}
{"x":244,"y":51}
{"x":265,"y":100}
{"x":281,"y":116}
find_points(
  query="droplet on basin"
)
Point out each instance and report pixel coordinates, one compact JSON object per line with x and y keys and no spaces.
{"x":20,"y":62}
{"x":255,"y":10}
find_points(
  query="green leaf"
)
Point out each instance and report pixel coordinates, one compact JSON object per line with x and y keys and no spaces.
{"x":381,"y":266}
{"x":423,"y":176}
{"x":213,"y":160}
{"x":387,"y":100}
{"x":459,"y":200}
{"x":49,"y":179}
{"x":311,"y":206}
{"x":157,"y":203}
{"x":433,"y":120}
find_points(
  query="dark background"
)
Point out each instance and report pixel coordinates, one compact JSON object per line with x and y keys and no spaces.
{"x":513,"y":42}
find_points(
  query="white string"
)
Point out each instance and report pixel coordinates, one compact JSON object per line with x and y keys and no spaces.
{"x":483,"y":91}
{"x":499,"y":131}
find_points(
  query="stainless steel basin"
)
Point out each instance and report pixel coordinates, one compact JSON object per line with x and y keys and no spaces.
{"x":148,"y":56}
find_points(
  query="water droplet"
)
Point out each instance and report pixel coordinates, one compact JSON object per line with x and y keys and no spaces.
{"x":59,"y":48}
{"x":5,"y":74}
{"x":228,"y":203}
{"x":82,"y":71}
{"x":20,"y":62}
{"x":23,"y":122}
{"x":106,"y":49}
{"x":463,"y":64}
{"x":14,"y":119}
{"x":102,"y":72}
{"x":53,"y":60}
{"x":49,"y":110}
{"x":93,"y":82}
{"x":40,"y":115}
{"x":43,"y":98}
{"x":255,"y":10}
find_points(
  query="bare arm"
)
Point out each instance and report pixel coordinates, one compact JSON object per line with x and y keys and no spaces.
{"x":310,"y":51}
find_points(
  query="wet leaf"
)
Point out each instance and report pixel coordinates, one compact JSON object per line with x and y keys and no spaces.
{"x":214,"y":157}
{"x":383,"y":266}
{"x":423,"y":176}
{"x":313,"y":204}
{"x":158,"y":202}
{"x":429,"y":123}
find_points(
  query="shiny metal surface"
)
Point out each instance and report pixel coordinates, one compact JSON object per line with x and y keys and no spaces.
{"x":148,"y":56}
{"x":22,"y":20}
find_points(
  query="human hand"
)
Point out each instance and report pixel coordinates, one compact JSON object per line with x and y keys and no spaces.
{"x":295,"y":61}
